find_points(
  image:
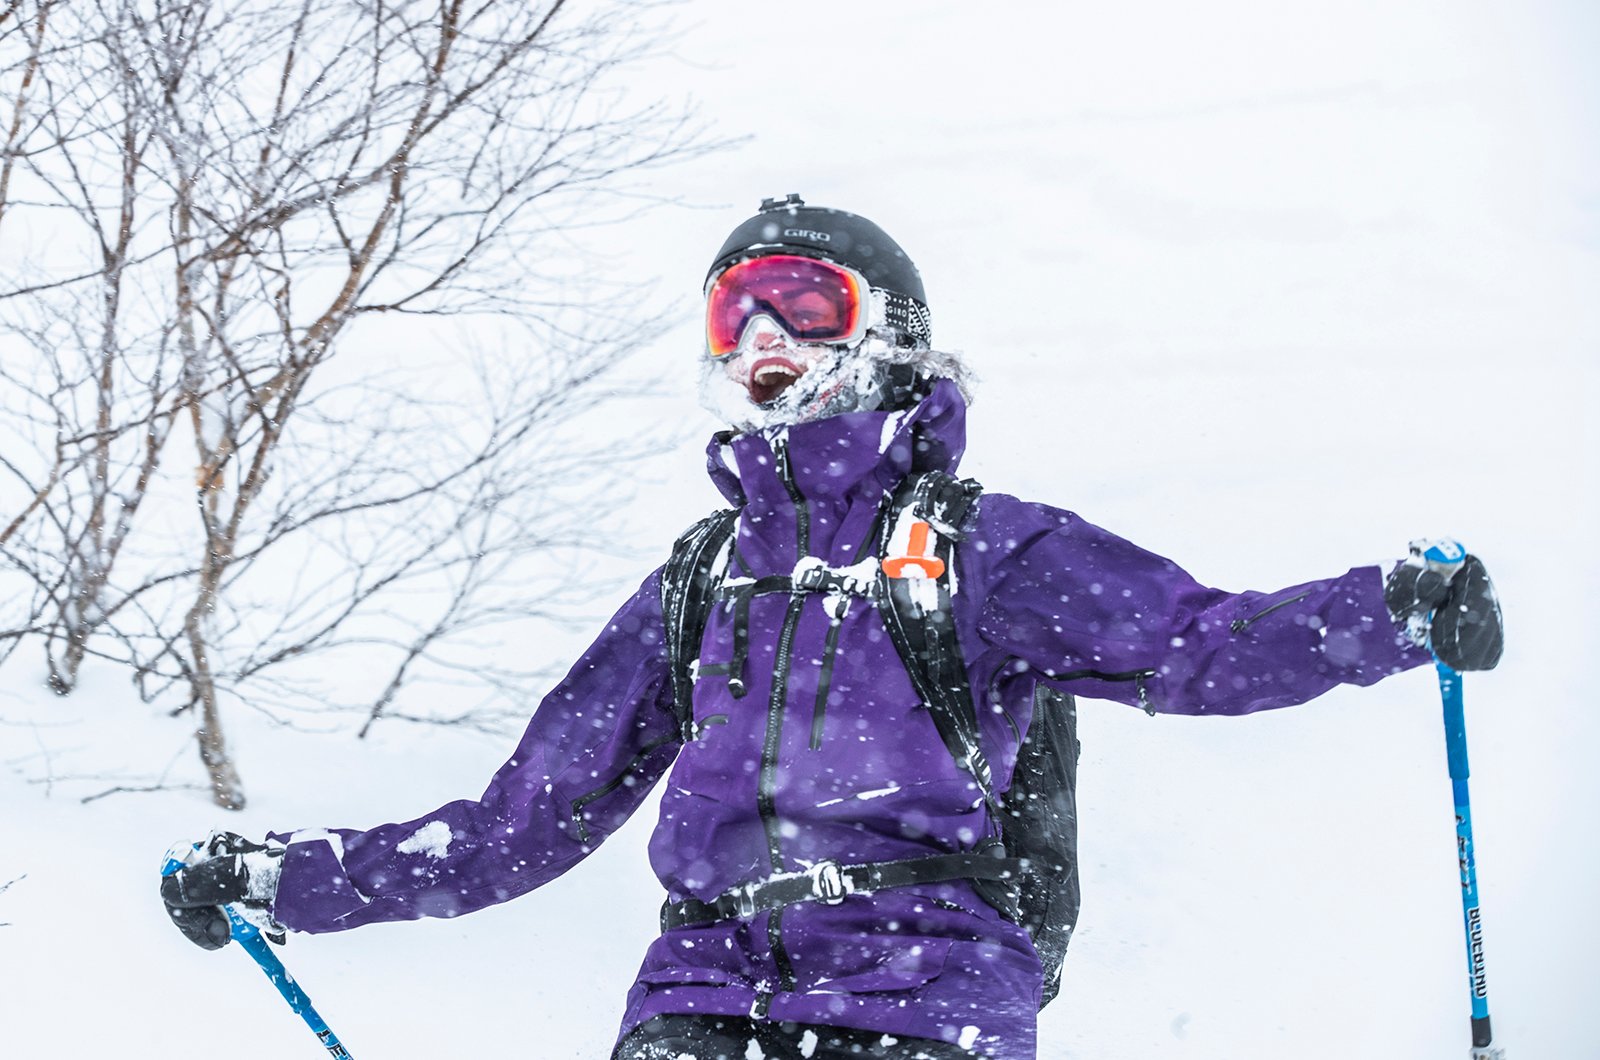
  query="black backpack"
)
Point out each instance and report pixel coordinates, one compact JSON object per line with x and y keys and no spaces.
{"x":1038,"y":815}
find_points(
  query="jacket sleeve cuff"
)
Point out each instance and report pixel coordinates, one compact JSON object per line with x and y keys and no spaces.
{"x":1360,"y":637}
{"x":314,"y":891}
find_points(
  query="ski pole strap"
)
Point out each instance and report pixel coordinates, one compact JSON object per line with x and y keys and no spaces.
{"x":829,"y":882}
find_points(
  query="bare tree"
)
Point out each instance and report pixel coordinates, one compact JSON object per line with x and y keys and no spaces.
{"x":230,"y":205}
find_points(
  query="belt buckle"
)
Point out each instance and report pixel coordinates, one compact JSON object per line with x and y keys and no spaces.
{"x":827,"y":882}
{"x":744,"y":902}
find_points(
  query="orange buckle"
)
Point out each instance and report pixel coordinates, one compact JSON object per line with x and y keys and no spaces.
{"x":918,"y":562}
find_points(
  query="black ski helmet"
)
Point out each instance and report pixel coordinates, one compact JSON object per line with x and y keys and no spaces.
{"x":789,"y":226}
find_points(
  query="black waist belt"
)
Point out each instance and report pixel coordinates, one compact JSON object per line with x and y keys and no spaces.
{"x":829,"y":882}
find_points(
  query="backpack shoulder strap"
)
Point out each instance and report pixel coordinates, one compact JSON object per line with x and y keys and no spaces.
{"x":927,"y":515}
{"x":925,"y":519}
{"x":688,"y":587}
{"x":1041,"y":830}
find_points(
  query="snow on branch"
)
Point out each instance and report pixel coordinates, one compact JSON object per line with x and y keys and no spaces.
{"x":295,"y":323}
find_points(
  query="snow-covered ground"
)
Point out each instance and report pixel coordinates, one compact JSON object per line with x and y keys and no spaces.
{"x":1268,"y":288}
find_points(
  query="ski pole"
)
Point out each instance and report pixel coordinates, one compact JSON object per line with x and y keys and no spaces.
{"x":249,"y":937}
{"x":1455,"y":735}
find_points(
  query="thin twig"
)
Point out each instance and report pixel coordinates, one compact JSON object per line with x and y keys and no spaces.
{"x":123,"y":789}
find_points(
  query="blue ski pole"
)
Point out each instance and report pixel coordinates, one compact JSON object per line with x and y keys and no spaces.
{"x":1444,"y":555}
{"x":249,"y":937}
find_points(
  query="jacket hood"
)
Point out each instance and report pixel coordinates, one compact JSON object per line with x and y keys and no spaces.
{"x":844,"y":453}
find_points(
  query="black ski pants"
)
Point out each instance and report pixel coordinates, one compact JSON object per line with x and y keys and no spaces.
{"x":730,"y":1038}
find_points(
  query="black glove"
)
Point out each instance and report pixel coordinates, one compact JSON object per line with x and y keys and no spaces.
{"x":227,"y":869}
{"x":1444,"y":600}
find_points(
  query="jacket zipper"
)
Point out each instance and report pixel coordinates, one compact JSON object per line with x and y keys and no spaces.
{"x":994,"y":701}
{"x":830,"y":651}
{"x":1242,"y":624}
{"x":1138,"y":677}
{"x":1100,"y":675}
{"x":613,"y":784}
{"x":766,"y":805}
{"x":837,"y":608}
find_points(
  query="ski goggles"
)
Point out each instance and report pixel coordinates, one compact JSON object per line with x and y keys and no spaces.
{"x":810,"y":299}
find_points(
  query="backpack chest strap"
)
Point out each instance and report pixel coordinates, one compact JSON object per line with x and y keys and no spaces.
{"x":810,"y":575}
{"x":830,"y":883}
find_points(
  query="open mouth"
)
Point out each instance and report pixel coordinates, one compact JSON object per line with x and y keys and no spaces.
{"x":771,"y":376}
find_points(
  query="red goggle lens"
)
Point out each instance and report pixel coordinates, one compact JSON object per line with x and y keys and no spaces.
{"x":813,"y":301}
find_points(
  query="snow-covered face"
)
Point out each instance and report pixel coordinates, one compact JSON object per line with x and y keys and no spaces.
{"x":772,"y":380}
{"x":769,"y":362}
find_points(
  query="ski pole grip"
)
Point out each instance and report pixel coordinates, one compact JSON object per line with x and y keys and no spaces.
{"x":178,"y":855}
{"x":255,"y":944}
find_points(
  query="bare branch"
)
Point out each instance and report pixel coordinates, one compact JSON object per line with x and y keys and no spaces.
{"x":122,"y":789}
{"x":241,"y":203}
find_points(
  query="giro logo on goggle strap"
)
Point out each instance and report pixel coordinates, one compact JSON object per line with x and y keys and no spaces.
{"x":807,"y":233}
{"x":813,"y":301}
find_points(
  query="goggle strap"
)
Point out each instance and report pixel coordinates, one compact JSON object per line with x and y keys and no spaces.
{"x":907,"y":315}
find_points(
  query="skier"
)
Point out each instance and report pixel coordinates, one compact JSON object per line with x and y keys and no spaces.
{"x":856,"y":679}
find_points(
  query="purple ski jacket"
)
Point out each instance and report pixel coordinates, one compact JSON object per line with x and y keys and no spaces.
{"x":784,"y":777}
